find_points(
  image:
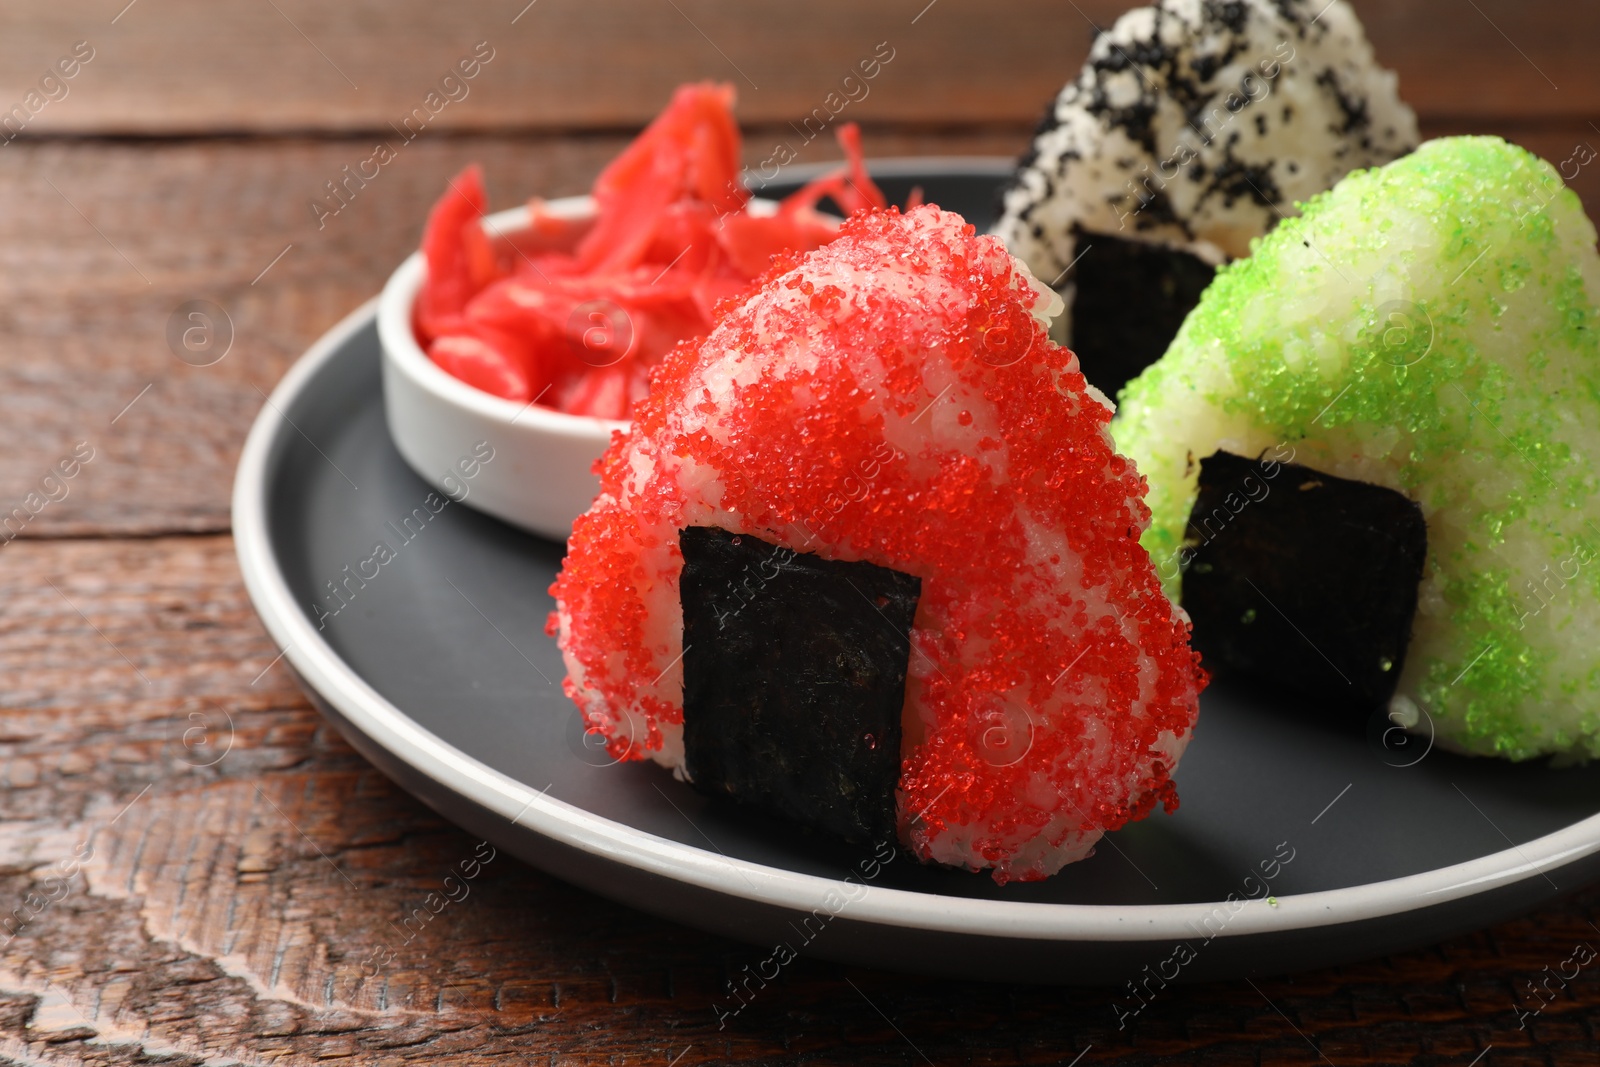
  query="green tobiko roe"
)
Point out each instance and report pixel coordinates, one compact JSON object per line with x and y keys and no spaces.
{"x":1433,"y":326}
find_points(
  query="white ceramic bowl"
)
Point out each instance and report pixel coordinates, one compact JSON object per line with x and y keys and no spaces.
{"x":540,"y":477}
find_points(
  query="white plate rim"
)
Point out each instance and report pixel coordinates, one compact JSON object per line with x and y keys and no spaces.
{"x":457,"y":772}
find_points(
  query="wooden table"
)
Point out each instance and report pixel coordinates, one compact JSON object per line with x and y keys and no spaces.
{"x":233,"y":863}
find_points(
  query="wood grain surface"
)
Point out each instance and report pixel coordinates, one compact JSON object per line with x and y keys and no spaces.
{"x":197,"y":868}
{"x":243,"y":872}
{"x":177,"y":66}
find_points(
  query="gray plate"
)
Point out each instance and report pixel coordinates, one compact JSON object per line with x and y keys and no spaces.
{"x":440,"y":672}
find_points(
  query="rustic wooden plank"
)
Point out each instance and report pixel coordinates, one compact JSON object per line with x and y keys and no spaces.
{"x":85,"y":298}
{"x":230,"y":905}
{"x":191,"y":66}
{"x":234,"y":893}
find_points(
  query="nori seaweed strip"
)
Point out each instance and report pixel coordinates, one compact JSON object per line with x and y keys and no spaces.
{"x":1304,"y":578}
{"x":1130,"y":299}
{"x":794,"y":676}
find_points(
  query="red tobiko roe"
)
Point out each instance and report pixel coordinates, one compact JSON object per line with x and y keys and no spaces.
{"x":912,"y":348}
{"x":579,"y":328}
